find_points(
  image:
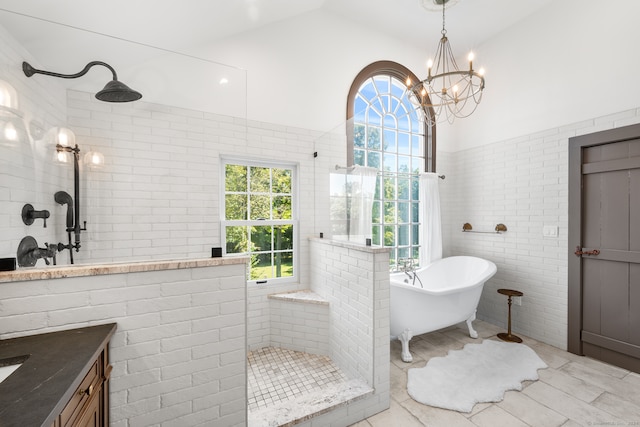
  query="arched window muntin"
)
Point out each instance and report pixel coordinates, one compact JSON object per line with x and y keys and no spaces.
{"x":385,"y":131}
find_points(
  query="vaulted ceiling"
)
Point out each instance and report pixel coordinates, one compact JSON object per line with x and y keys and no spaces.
{"x":181,"y":25}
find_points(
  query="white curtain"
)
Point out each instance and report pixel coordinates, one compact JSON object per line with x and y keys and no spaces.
{"x":431,"y":230}
{"x":361,"y":186}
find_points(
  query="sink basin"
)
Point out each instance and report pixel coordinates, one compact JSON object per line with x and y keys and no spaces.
{"x":9,"y":365}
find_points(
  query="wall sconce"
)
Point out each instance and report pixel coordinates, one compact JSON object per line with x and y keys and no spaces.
{"x":10,"y":132}
{"x":114,"y":91}
{"x":12,"y":126}
{"x":8,"y":96}
{"x":94,"y":160}
{"x":62,"y":138}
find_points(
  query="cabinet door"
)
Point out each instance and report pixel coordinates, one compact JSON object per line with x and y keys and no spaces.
{"x":91,"y":417}
{"x":87,"y":389}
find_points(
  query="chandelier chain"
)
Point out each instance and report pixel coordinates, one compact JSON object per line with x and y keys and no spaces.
{"x":444,"y":31}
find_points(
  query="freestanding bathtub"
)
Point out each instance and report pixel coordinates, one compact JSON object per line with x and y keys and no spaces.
{"x":441,"y":294}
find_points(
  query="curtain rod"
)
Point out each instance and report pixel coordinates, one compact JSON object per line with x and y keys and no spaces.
{"x":350,"y":168}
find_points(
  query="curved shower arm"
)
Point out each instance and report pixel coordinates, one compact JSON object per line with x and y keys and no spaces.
{"x":30,"y":71}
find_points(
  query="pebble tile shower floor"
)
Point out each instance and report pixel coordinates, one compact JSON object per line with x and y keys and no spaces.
{"x":286,"y":386}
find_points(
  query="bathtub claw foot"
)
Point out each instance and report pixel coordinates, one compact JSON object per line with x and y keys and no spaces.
{"x":472,"y":332}
{"x":404,"y":338}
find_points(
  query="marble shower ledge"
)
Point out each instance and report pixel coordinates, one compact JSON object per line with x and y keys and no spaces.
{"x":306,"y":296}
{"x":80,"y":270}
{"x":344,"y":244}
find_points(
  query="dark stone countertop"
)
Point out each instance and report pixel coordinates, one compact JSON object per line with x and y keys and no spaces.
{"x":35,"y":394}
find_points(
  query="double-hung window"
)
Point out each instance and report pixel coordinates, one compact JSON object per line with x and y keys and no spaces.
{"x":260,"y":217}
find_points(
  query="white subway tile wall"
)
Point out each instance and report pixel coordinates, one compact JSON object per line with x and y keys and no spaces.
{"x":27,"y":171}
{"x":355,"y":281}
{"x":522,"y":183}
{"x":259,"y":314}
{"x":179,"y":353}
{"x":157,"y":195}
{"x":300,"y":326}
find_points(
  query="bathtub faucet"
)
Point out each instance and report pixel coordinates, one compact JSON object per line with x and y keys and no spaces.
{"x":409,"y":268}
{"x":407,"y":265}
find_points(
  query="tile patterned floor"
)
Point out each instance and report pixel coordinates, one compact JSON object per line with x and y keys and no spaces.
{"x":277,"y":374}
{"x":286,"y":387}
{"x":573,"y":391}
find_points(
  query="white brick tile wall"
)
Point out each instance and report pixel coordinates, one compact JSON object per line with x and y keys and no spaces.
{"x":359,"y":321}
{"x":299,"y":326}
{"x":522,"y":183}
{"x":259,"y":313}
{"x":179,"y":353}
{"x":157,"y":196}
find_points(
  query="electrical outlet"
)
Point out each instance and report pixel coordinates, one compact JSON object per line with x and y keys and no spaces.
{"x":517,"y":300}
{"x":550,"y":231}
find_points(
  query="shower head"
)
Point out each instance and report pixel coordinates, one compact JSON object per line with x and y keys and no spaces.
{"x":114,"y":91}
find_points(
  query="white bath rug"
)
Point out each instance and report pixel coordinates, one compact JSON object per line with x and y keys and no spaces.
{"x":477,"y":373}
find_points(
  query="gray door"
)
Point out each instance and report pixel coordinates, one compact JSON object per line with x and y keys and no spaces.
{"x":604,"y":240}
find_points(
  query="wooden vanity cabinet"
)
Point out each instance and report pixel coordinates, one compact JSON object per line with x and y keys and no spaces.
{"x":89,"y":403}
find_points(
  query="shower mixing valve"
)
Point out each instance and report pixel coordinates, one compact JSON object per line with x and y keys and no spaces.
{"x":29,"y":215}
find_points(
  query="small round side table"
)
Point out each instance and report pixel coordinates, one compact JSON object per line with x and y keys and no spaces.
{"x":509,"y":336}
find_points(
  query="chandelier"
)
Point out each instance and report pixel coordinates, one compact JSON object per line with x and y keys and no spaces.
{"x":447,"y":92}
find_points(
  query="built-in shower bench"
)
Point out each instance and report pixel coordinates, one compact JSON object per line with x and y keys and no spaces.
{"x":299,"y":321}
{"x":306,"y":296}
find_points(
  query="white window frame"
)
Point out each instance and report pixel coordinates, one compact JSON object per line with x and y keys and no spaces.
{"x":294,"y":221}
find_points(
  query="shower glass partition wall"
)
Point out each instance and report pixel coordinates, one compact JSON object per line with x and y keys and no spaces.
{"x":156,"y":194}
{"x":179,"y":352}
{"x":352,"y":190}
{"x":395,"y":203}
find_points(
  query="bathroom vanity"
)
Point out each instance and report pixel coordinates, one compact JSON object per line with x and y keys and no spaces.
{"x":63,"y":379}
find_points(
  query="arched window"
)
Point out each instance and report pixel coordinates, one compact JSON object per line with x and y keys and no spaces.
{"x":387,"y":132}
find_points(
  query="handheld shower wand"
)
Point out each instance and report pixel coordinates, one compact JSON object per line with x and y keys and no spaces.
{"x":63,"y":198}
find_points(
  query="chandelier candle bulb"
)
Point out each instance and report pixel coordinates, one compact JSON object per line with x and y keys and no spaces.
{"x":471,"y":62}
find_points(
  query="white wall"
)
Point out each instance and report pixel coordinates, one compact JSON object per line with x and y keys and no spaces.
{"x":572,"y":61}
{"x":299,"y":70}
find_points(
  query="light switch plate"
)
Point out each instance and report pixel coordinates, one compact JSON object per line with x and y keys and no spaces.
{"x":550,"y":231}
